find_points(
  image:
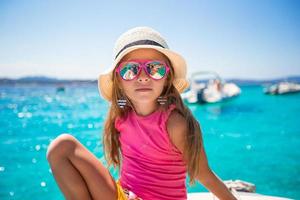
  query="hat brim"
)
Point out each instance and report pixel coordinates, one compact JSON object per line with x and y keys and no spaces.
{"x":177,"y":61}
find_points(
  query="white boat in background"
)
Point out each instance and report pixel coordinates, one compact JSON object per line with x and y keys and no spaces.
{"x":211,"y":90}
{"x":282,"y":88}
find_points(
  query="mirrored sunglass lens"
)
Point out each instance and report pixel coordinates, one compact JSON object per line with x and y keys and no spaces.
{"x":156,"y":69}
{"x":128,"y":71}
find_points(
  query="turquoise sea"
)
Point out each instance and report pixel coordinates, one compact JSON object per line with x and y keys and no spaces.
{"x":254,"y":137}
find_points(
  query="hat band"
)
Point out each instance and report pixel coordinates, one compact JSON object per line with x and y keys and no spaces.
{"x":139,"y":42}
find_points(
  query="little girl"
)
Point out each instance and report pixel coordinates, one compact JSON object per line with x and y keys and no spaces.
{"x":149,"y":133}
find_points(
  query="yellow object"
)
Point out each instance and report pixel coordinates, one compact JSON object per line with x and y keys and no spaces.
{"x":121,"y":194}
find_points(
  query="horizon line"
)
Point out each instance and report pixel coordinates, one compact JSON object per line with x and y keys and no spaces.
{"x":92,"y":79}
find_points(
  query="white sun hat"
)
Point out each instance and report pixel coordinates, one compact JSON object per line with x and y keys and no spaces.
{"x":138,"y":38}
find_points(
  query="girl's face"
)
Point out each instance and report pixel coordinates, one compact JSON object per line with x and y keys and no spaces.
{"x":132,"y":88}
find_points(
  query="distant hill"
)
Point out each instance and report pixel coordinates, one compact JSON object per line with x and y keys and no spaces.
{"x":49,"y":80}
{"x":37,"y":79}
{"x":43,"y":80}
{"x":261,"y":82}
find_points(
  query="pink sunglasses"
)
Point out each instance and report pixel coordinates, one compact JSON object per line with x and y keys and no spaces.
{"x":130,"y":70}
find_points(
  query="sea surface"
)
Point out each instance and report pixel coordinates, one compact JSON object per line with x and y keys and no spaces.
{"x":253,"y":137}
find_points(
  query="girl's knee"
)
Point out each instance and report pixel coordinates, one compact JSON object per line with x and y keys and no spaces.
{"x":61,"y":146}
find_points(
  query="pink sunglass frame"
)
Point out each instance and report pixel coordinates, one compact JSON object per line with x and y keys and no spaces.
{"x":142,"y":65}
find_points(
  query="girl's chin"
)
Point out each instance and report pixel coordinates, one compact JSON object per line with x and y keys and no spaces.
{"x":144,"y":98}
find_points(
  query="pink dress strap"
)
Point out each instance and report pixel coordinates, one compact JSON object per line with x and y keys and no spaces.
{"x":168,"y":112}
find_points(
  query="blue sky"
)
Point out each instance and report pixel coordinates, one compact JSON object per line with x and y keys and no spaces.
{"x":257,"y":39}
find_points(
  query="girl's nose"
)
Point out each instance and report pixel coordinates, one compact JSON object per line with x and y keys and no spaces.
{"x":143,"y":76}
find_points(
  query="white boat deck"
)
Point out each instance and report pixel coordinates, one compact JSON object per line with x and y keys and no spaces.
{"x":238,"y":195}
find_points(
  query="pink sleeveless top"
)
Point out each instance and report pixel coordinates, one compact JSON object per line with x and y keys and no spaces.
{"x":152,"y":167}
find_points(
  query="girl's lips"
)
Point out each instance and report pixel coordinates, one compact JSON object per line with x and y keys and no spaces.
{"x":143,"y":89}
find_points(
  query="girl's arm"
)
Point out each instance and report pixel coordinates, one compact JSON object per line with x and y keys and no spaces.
{"x":211,"y":181}
{"x":177,"y":129}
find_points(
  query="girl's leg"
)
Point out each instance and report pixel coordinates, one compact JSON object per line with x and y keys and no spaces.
{"x":79,"y":174}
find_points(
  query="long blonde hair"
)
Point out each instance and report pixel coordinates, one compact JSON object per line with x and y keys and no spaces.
{"x":193,"y":141}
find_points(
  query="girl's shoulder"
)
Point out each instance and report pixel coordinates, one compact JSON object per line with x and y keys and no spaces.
{"x":177,"y":128}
